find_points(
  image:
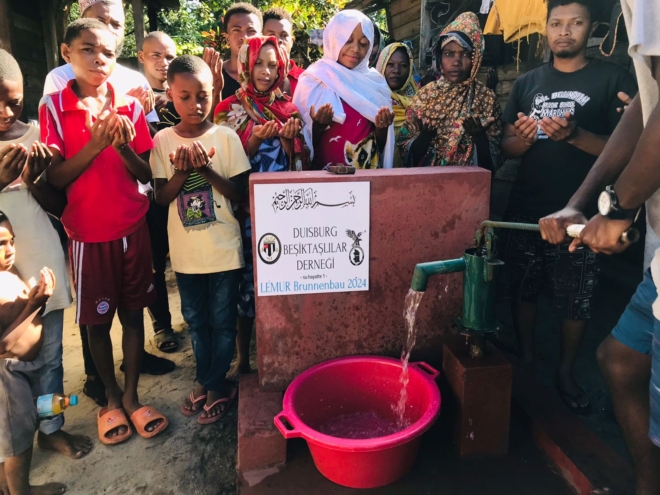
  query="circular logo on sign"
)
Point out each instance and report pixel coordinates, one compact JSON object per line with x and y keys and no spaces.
{"x":102,"y":307}
{"x":269,"y":248}
{"x":356,"y":255}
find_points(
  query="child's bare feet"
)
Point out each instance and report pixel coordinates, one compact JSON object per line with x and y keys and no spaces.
{"x":48,"y":489}
{"x":74,"y":446}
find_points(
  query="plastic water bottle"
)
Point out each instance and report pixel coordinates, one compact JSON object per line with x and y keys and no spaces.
{"x":53,"y":404}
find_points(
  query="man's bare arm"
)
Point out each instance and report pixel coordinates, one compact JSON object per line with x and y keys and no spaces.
{"x":608,"y":166}
{"x":615,"y":156}
{"x":641,"y":178}
{"x":638,"y":181}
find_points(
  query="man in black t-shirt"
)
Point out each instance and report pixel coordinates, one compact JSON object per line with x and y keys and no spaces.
{"x":557,"y":120}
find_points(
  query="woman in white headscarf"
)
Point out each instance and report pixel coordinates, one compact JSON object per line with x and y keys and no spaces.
{"x":345,"y":105}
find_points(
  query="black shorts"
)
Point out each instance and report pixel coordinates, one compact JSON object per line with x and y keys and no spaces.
{"x":533,"y":265}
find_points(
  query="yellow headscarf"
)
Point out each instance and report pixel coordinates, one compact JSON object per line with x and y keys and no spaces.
{"x":402,"y":97}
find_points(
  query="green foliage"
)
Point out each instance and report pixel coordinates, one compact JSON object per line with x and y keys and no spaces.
{"x":380,"y":19}
{"x":187,"y":24}
{"x":130,"y":48}
{"x":198,"y":23}
{"x":307,"y":15}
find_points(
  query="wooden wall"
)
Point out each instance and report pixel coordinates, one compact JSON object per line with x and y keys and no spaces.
{"x":28,"y":42}
{"x":404,"y":18}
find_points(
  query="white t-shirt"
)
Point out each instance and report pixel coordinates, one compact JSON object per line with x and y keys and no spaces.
{"x":642,"y":23}
{"x":37,"y":242}
{"x":122,"y":79}
{"x":204,"y":235}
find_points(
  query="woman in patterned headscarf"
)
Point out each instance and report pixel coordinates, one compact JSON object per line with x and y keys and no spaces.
{"x":263,"y":117}
{"x":269,"y":126}
{"x":396,"y":65}
{"x":457,"y":119}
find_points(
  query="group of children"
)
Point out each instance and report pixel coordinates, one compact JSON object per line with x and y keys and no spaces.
{"x":89,"y":164}
{"x":136,"y":169}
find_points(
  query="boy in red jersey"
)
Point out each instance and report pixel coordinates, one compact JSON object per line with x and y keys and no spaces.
{"x":100,"y":143}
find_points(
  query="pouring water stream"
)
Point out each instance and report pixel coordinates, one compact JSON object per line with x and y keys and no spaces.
{"x":413,"y":298}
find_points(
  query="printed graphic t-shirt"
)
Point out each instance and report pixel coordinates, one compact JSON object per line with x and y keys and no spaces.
{"x":204,"y":234}
{"x":550,"y":172}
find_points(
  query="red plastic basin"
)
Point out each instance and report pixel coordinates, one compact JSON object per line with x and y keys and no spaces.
{"x":355,"y":385}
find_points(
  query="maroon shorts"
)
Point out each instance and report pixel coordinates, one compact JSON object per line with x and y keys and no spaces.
{"x":111,"y":275}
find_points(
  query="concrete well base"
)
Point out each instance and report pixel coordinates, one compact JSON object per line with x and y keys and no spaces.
{"x":416,"y":215}
{"x":481,"y":391}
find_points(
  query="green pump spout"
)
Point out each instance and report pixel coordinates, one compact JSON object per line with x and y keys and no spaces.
{"x":479,"y":288}
{"x":480,"y":267}
{"x":423,"y":271}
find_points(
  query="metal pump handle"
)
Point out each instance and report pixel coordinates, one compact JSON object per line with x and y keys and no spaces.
{"x":629,"y":236}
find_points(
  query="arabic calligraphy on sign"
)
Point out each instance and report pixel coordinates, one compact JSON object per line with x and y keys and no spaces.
{"x":299,"y":199}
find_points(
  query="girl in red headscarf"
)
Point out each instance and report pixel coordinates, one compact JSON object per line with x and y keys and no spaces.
{"x":270,"y":128}
{"x":268,"y":124}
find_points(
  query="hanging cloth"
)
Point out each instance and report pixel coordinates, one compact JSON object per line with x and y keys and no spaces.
{"x":517,"y":19}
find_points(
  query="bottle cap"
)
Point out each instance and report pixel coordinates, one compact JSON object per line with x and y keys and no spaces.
{"x":73,"y":400}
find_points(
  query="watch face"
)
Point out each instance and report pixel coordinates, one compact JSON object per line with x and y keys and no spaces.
{"x":604,"y":203}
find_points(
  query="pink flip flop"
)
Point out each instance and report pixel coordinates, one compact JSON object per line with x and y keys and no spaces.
{"x":229,"y":401}
{"x":189,"y":413}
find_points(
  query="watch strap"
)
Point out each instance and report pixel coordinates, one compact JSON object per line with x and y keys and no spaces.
{"x":618,"y":213}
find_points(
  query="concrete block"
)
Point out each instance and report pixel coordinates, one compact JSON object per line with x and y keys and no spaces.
{"x":260,"y":444}
{"x":416,"y":215}
{"x":481,"y":389}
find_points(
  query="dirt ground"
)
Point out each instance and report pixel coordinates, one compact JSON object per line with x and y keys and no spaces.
{"x":187,"y":458}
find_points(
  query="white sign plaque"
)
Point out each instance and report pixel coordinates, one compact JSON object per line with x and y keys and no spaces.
{"x":311,"y":237}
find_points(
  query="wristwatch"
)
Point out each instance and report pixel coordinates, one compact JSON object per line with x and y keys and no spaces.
{"x":608,"y":206}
